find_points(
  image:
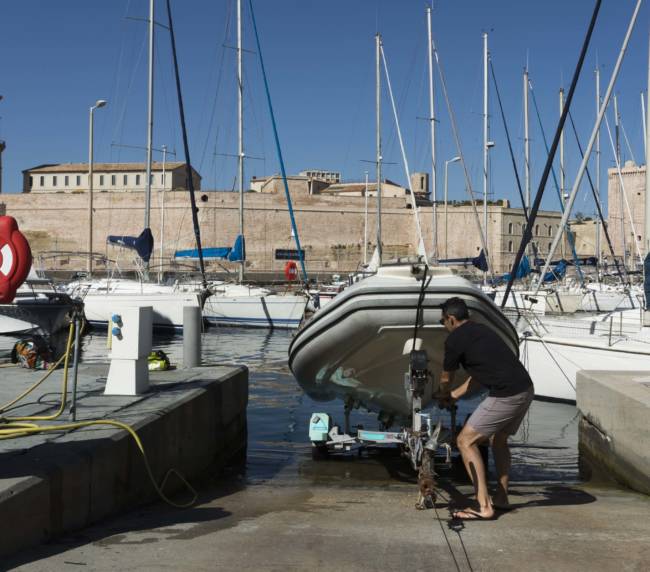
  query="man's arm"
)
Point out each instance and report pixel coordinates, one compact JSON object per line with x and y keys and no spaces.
{"x":468,"y":385}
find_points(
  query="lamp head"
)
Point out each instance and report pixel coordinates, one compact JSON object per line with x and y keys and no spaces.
{"x":100,"y":103}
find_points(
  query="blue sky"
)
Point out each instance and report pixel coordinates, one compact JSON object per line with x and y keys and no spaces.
{"x":59,"y":57}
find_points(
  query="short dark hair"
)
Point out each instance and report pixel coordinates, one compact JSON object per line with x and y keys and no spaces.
{"x":455,"y":307}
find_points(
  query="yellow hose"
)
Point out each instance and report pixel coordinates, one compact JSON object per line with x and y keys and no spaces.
{"x":12,"y":427}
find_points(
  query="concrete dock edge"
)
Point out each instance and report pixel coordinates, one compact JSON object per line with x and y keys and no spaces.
{"x":614,"y":432}
{"x":55,"y":488}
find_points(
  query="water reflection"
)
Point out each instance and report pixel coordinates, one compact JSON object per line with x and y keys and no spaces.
{"x":544,"y":450}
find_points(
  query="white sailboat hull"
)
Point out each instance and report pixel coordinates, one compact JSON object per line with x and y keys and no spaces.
{"x":104,"y":298}
{"x":553,"y":363}
{"x":256,"y":310}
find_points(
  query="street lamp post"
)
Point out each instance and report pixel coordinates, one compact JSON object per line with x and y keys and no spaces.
{"x":454,"y":160}
{"x":99,"y":103}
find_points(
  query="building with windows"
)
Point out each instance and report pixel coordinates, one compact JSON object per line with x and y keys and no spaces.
{"x":73,"y":177}
{"x":327,"y":176}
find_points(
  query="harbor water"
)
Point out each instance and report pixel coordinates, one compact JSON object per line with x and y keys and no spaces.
{"x":544,"y":450}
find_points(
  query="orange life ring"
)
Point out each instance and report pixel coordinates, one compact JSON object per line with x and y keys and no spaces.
{"x":291,"y":271}
{"x":15,"y":258}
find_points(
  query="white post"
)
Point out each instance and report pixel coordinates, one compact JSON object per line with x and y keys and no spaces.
{"x":432,"y":122}
{"x":485,"y":144}
{"x":365,"y":225}
{"x":191,"y":336}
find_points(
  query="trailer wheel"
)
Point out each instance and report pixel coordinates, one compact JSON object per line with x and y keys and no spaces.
{"x":319,"y":452}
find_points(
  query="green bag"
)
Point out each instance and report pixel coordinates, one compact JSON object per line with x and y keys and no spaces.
{"x":158,"y":361}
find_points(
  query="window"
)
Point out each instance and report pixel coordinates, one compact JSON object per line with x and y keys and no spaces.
{"x":112,"y":180}
{"x":31,"y":182}
{"x":78,"y":180}
{"x":151,"y":179}
{"x":509,"y":228}
{"x":101,"y":180}
{"x":66,"y":181}
{"x":536,"y":230}
{"x":42,"y":181}
{"x":125,"y":180}
{"x":510,"y":246}
{"x":550,"y":230}
{"x":550,"y":244}
{"x":137,"y":179}
{"x":162,"y":179}
{"x":54,"y":180}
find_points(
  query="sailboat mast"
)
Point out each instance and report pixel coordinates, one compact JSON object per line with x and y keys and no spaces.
{"x":562,"y":171}
{"x":647,"y":186}
{"x":147,"y":200}
{"x":432,"y":122}
{"x":643,"y":121}
{"x":240,"y":133}
{"x":617,"y":152}
{"x":485,"y":144}
{"x":365,"y":224}
{"x":598,"y":247}
{"x":527,"y":139}
{"x":378,"y":135}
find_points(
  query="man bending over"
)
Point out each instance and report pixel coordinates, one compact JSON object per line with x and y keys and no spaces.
{"x":491,"y":364}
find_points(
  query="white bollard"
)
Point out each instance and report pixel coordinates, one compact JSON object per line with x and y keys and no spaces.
{"x":131,"y":333}
{"x":192,"y":322}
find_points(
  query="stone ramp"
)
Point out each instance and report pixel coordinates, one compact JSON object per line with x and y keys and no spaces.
{"x":193,"y":420}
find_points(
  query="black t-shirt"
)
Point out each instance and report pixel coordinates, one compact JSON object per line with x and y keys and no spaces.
{"x":487,"y":358}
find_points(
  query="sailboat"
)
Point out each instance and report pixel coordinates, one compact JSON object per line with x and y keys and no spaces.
{"x":107,"y":296}
{"x":555,"y":349}
{"x":241,"y":304}
{"x":37,"y":306}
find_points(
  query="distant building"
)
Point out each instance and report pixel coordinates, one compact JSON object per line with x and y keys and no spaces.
{"x":299,"y":184}
{"x":303,"y":184}
{"x":621,"y":229}
{"x":73,"y":177}
{"x":389,"y":189}
{"x":420,"y":184}
{"x":327,"y":176}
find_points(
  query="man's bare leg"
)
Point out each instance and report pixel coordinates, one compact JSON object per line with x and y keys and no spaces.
{"x":502,"y":462}
{"x":467,"y":442}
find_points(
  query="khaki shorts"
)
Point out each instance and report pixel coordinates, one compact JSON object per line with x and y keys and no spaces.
{"x":501,"y":414}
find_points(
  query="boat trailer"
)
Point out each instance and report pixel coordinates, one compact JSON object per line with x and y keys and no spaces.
{"x":419,"y":442}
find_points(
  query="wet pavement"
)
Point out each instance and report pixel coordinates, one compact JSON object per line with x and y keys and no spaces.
{"x":285,"y":511}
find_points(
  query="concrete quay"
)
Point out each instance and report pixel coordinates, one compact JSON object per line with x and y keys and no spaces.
{"x":614,"y":432}
{"x":192,"y":420}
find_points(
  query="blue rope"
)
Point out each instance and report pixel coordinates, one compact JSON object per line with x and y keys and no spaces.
{"x":559,"y":194}
{"x":277,"y":146}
